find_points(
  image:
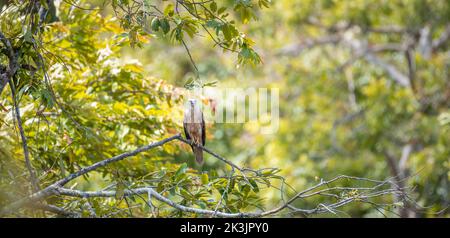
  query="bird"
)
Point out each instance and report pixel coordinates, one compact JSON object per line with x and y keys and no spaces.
{"x":194,"y":128}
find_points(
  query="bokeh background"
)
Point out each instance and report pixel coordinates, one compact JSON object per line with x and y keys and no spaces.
{"x":364,"y":91}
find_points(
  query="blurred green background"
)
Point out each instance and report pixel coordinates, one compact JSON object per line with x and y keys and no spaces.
{"x":364,"y":91}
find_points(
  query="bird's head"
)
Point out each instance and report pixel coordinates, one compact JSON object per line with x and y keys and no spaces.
{"x":192,"y":102}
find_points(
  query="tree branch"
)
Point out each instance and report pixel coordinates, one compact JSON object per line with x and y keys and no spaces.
{"x":364,"y":194}
{"x":33,"y":177}
{"x":321,"y":208}
{"x":5,"y":77}
{"x":54,"y":209}
{"x":361,"y":48}
{"x":445,"y":36}
{"x":50,"y":190}
{"x":398,"y":171}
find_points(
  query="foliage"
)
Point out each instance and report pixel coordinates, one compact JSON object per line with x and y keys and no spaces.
{"x":79,"y":89}
{"x":99,"y":78}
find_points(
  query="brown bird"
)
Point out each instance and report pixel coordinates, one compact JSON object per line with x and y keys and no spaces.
{"x":194,"y":128}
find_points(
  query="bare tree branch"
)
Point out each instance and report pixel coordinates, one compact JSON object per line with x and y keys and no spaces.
{"x":361,"y":48}
{"x":297,"y":48}
{"x":5,"y":77}
{"x":90,"y":208}
{"x":364,"y":194}
{"x":445,"y":36}
{"x":54,"y":209}
{"x":33,"y":177}
{"x":13,"y":65}
{"x":321,"y":208}
{"x":398,"y":171}
{"x":50,"y":190}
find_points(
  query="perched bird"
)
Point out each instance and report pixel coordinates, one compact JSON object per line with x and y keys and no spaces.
{"x":194,"y":128}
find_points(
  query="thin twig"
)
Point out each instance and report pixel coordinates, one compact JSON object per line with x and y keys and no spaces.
{"x":33,"y":177}
{"x":57,"y":189}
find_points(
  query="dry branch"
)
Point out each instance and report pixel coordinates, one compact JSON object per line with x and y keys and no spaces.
{"x":363,"y":193}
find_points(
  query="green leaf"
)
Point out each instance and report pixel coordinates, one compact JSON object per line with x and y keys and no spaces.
{"x":120,"y":190}
{"x":213,"y":23}
{"x":165,"y":25}
{"x":210,"y":84}
{"x":47,"y":98}
{"x":155,"y":24}
{"x":190,"y":83}
{"x":160,"y":187}
{"x":202,"y":204}
{"x":263,"y":3}
{"x":226,"y":32}
{"x":185,"y":193}
{"x":213,"y":6}
{"x":181,"y":170}
{"x":221,"y":10}
{"x":254,"y":185}
{"x":205,"y":178}
{"x":28,"y":37}
{"x":169,"y":10}
{"x":245,"y":189}
{"x":213,"y":173}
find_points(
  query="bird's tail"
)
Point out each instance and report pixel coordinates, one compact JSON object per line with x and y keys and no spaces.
{"x":198,"y":153}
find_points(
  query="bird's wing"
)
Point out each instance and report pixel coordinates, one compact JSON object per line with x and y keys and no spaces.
{"x":186,"y":133}
{"x":203,"y":131}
